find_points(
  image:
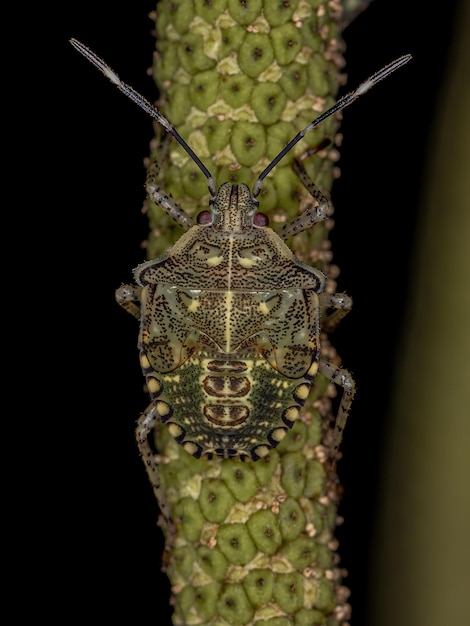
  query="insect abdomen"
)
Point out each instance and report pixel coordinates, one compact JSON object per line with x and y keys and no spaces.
{"x":228,"y":407}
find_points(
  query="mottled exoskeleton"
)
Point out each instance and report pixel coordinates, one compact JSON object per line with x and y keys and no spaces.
{"x":229,"y":318}
{"x":229,"y":331}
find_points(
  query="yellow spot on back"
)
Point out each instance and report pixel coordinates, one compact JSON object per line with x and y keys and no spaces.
{"x":144,"y":362}
{"x":313,"y":369}
{"x":278,"y":434}
{"x":301,"y":392}
{"x":174,"y":430}
{"x":214,"y":260}
{"x":292,"y":413}
{"x":263,"y":308}
{"x":172,"y":378}
{"x":245,"y":262}
{"x":193,"y":307}
{"x":153,"y":385}
{"x":162,"y":408}
{"x":190,"y":447}
{"x":262,"y":451}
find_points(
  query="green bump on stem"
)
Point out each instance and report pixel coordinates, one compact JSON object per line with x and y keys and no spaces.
{"x":314,"y":429}
{"x":193,"y":180}
{"x":185,"y":603}
{"x":309,"y":617}
{"x":166,"y":64}
{"x":179,"y":104}
{"x":264,"y":528}
{"x":301,"y":552}
{"x":330,"y":515}
{"x":188,"y":518}
{"x":296,"y":438}
{"x":258,"y":585}
{"x":231,"y":39}
{"x":182,"y":559}
{"x":287,"y":186}
{"x":294,"y":469}
{"x":294,"y":80}
{"x":291,"y":519}
{"x":287,"y":42}
{"x":191,"y":54}
{"x":212,"y":562}
{"x":215,"y":500}
{"x":268,"y":197}
{"x":275,"y":621}
{"x":217,"y":133}
{"x":255,"y":54}
{"x":315,"y":481}
{"x":236,"y":176}
{"x":279,"y":135}
{"x":204,"y":88}
{"x":245,"y":12}
{"x":234,"y":606}
{"x":324,"y":557}
{"x":236,"y":89}
{"x":289,"y":591}
{"x":248,"y":143}
{"x":178,"y":15}
{"x":209,"y":10}
{"x":325,"y":599}
{"x":181,"y":473}
{"x":240,"y":479}
{"x":265,"y":468}
{"x":235,"y":543}
{"x":318,"y":78}
{"x":278,"y":12}
{"x":268,"y":101}
{"x":317,"y":517}
{"x":205,"y":600}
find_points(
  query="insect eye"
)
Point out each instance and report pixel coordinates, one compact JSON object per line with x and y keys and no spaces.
{"x":204,"y":217}
{"x":261,"y":219}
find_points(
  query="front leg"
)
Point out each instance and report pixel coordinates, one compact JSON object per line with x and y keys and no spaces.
{"x":145,"y":429}
{"x":164,"y":201}
{"x":127,"y":296}
{"x":344,"y":379}
{"x":342,"y":304}
{"x":313,"y":215}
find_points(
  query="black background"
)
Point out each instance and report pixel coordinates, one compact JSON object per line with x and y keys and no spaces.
{"x":83,"y":237}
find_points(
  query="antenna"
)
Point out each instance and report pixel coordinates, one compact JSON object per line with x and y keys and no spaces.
{"x":341,"y":104}
{"x":155,"y":113}
{"x":145,"y":105}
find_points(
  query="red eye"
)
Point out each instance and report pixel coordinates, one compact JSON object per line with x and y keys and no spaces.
{"x":261,"y":219}
{"x":203,"y":218}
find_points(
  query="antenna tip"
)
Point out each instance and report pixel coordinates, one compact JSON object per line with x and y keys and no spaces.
{"x":385,"y":71}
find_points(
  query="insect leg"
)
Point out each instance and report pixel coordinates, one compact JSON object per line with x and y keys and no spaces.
{"x":344,"y":379}
{"x":342,"y":304}
{"x":145,"y":426}
{"x":127,"y":296}
{"x":157,"y":195}
{"x":312,"y":215}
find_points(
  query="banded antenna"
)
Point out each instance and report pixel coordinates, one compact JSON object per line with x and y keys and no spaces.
{"x":155,"y":113}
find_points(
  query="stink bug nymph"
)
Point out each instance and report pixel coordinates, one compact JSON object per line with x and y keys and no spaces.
{"x":229,"y":318}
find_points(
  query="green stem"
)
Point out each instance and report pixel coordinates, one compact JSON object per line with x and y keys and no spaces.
{"x":251,"y":543}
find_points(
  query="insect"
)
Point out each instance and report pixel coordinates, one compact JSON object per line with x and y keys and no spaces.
{"x":230,"y":322}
